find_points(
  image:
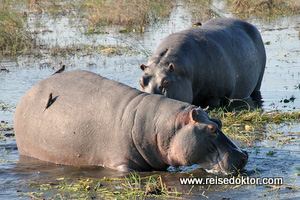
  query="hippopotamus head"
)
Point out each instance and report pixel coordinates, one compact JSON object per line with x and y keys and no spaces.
{"x":167,"y":80}
{"x":199,"y":140}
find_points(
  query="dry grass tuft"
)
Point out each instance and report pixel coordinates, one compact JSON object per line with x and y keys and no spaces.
{"x":135,"y":13}
{"x":201,"y":10}
{"x":250,"y":125}
{"x":13,"y":37}
{"x":265,"y":8}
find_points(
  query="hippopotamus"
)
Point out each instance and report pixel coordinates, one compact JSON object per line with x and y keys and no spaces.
{"x":80,"y":118}
{"x":207,"y":65}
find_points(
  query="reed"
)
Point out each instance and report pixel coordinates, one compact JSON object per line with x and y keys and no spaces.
{"x":14,"y":39}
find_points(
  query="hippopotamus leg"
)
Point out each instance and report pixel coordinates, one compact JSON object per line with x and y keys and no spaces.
{"x":208,"y":102}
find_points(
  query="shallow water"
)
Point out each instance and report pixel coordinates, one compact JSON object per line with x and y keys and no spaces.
{"x":280,"y":83}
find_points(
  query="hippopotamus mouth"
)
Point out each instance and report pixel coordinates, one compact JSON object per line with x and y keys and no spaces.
{"x":224,"y":156}
{"x":223,"y":165}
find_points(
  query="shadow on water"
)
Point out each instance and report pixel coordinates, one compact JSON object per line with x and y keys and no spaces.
{"x":28,"y":166}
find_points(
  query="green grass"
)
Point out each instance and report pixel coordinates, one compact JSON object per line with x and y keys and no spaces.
{"x":130,"y":187}
{"x":251,"y":125}
{"x":258,"y":117}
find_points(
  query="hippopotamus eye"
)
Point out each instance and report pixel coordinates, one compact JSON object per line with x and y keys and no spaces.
{"x":144,"y":81}
{"x":171,"y":67}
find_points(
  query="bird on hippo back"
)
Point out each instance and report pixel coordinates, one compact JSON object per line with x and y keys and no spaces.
{"x":208,"y":65}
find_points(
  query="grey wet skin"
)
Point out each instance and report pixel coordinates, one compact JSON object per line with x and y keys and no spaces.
{"x":209,"y":64}
{"x":97,"y":121}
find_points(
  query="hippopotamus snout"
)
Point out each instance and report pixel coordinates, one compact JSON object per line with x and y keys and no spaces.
{"x":165,"y":82}
{"x":227,"y":157}
{"x":156,"y":85}
{"x":229,"y":164}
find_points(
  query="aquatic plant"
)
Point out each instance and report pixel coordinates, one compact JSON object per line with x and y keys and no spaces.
{"x":256,"y":116}
{"x":129,"y":187}
{"x":264,"y":8}
{"x":133,"y":15}
{"x":248,"y":125}
{"x":13,"y":37}
{"x":108,"y":50}
{"x":6,"y":106}
{"x":201,"y":10}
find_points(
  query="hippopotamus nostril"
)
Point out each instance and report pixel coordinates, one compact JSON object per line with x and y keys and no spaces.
{"x":245,"y":155}
{"x":212,"y":130}
{"x":164,"y":83}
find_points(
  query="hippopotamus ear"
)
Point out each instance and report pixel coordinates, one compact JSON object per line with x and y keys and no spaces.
{"x":171,"y":67}
{"x":193,"y":115}
{"x":143,"y":67}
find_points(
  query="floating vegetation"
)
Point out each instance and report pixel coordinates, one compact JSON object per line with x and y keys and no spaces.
{"x":6,"y":107}
{"x":6,"y":130}
{"x":288,"y":100}
{"x":250,"y":125}
{"x":129,"y":187}
{"x":268,"y":43}
{"x":258,"y":117}
{"x":5,"y":127}
{"x":271,"y":153}
{"x":94,"y":30}
{"x":88,"y":50}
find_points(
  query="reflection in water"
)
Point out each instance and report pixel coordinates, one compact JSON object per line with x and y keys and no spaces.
{"x":41,"y":169}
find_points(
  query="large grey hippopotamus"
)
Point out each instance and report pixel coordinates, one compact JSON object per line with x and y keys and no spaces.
{"x":81,"y":118}
{"x":209,"y":64}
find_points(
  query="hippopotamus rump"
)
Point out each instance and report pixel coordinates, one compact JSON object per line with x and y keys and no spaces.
{"x":209,"y":64}
{"x":81,"y":118}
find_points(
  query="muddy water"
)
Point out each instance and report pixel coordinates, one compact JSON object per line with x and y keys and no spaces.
{"x":280,"y":90}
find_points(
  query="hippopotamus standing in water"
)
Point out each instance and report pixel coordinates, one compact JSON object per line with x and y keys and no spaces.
{"x":81,"y":118}
{"x":209,"y":64}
